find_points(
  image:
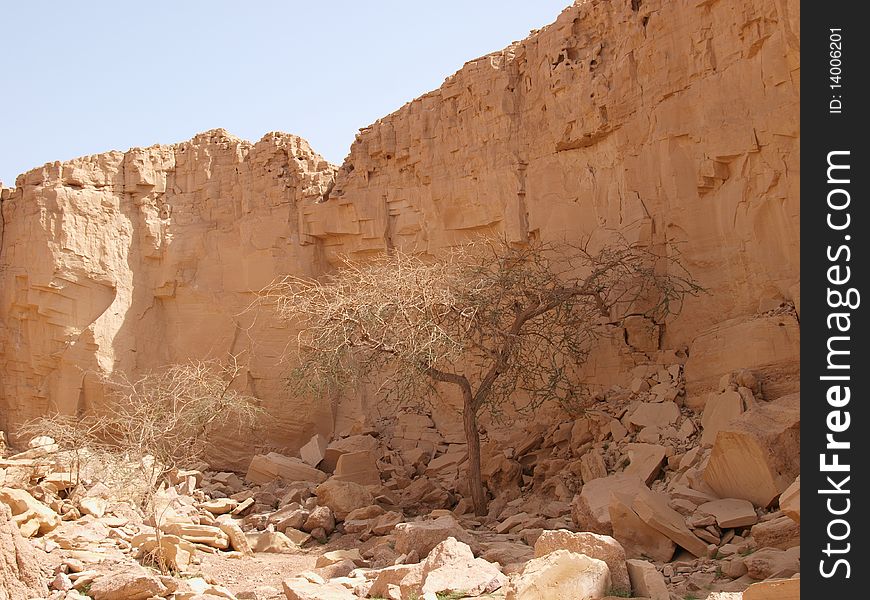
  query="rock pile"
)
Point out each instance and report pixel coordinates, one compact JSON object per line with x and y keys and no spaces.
{"x":632,"y":497}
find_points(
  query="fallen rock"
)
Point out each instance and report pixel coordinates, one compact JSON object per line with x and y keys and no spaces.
{"x":422,"y":536}
{"x":790,"y":500}
{"x":337,"y":556}
{"x":271,"y":541}
{"x":772,"y":562}
{"x":133,"y":584}
{"x":299,"y":588}
{"x":590,"y":509}
{"x":781,"y":589}
{"x":269,"y":467}
{"x":219,"y":506}
{"x":655,"y":414}
{"x":198,"y":534}
{"x":560,"y":575}
{"x":342,"y":497}
{"x":238,"y":540}
{"x":653,"y":509}
{"x":20,"y":574}
{"x":358,"y":467}
{"x":646,"y":581}
{"x":394,"y":576}
{"x":730,"y":513}
{"x":321,"y":517}
{"x":451,"y":568}
{"x":592,"y":466}
{"x":780,"y":532}
{"x":593,"y":545}
{"x":313,"y":452}
{"x":175,"y":553}
{"x":638,"y":539}
{"x":645,"y":461}
{"x":32,"y":516}
{"x":719,"y":410}
{"x":757,"y":456}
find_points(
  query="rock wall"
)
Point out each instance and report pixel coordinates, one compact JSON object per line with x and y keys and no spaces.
{"x":662,"y":121}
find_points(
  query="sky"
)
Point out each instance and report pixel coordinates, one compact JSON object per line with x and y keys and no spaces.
{"x":86,"y":77}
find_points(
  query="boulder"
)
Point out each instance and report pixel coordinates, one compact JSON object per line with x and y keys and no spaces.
{"x":772,"y":562}
{"x":268,"y":467}
{"x":354,"y":443}
{"x":655,"y":414}
{"x":730,"y":512}
{"x":592,"y":466}
{"x":451,"y":568}
{"x":590,"y":509}
{"x":757,"y":456}
{"x":645,"y":461}
{"x":321,"y":517}
{"x":238,"y":540}
{"x":272,"y":541}
{"x":781,"y":532}
{"x":394,"y":576}
{"x":32,"y":516}
{"x":422,"y":536}
{"x":593,"y":545}
{"x":219,"y":506}
{"x":774,"y":589}
{"x":198,"y":534}
{"x":176,"y":553}
{"x":790,"y":500}
{"x":337,"y":556}
{"x":342,"y":497}
{"x":560,"y":575}
{"x":20,"y":574}
{"x":719,"y":410}
{"x":638,"y":539}
{"x":653,"y":510}
{"x":299,"y":588}
{"x":646,"y":581}
{"x":130,"y":584}
{"x":358,"y":467}
{"x":313,"y":452}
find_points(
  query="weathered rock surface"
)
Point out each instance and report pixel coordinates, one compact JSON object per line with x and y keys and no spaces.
{"x":560,"y":575}
{"x":593,"y":545}
{"x":757,"y":456}
{"x":20,"y":574}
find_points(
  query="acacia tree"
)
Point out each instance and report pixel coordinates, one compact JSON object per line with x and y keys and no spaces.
{"x":508,"y":325}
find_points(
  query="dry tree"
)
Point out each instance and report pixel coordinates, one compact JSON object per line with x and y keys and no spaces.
{"x":507,"y":325}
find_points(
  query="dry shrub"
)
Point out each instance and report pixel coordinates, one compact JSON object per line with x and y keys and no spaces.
{"x":150,"y":426}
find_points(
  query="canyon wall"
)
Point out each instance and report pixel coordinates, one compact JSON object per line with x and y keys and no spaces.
{"x":661,"y":121}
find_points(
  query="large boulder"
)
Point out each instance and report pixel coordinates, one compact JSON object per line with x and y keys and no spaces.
{"x":20,"y":574}
{"x":133,"y":584}
{"x":638,"y":539}
{"x":451,"y":568}
{"x":299,"y":588}
{"x":342,"y":497}
{"x":590,"y":509}
{"x":32,"y":516}
{"x":653,"y":510}
{"x":646,"y":581}
{"x":268,"y":467}
{"x":757,"y":456}
{"x":423,"y":536}
{"x":560,"y":575}
{"x":602,"y":547}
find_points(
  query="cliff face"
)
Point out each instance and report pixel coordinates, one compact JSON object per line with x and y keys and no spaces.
{"x":660,"y":120}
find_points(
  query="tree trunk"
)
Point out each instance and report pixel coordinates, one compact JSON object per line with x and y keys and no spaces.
{"x":472,"y":437}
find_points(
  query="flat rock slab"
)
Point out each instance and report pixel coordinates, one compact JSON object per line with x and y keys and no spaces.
{"x":730,"y":512}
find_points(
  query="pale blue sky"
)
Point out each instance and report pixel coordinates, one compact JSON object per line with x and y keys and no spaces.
{"x":85,"y":77}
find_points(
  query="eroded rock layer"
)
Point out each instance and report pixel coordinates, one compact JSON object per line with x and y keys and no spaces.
{"x":663,"y":121}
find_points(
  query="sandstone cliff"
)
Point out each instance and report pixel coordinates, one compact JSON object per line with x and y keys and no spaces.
{"x":671,"y":121}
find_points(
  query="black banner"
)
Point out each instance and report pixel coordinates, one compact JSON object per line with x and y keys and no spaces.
{"x":835,"y":424}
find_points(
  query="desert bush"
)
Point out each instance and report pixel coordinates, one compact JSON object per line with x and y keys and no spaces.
{"x":150,"y":426}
